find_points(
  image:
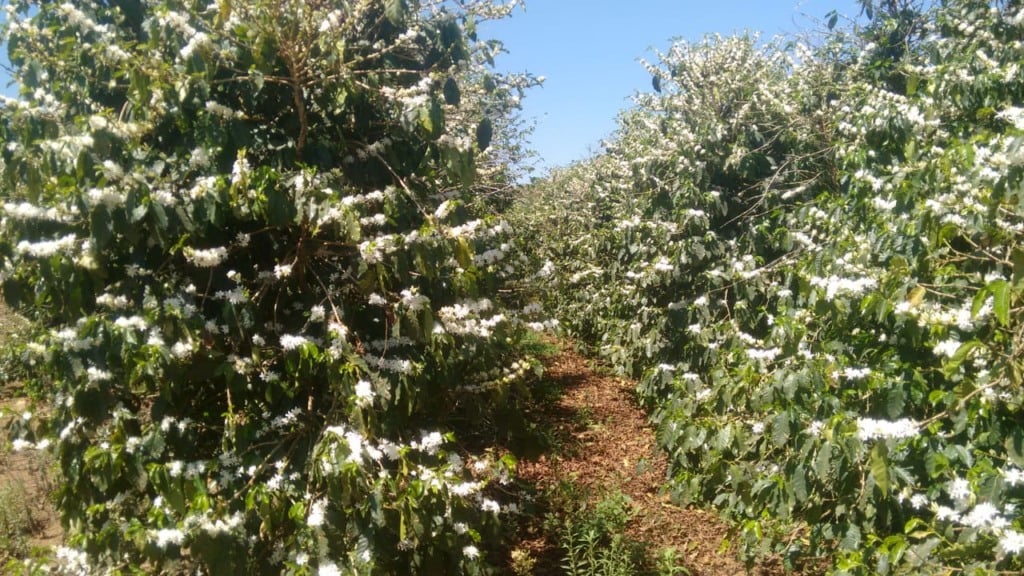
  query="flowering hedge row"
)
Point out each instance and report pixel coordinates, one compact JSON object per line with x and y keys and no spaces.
{"x":813,"y":258}
{"x":243,"y":230}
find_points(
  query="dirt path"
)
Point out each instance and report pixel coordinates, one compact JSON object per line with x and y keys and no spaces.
{"x":612,"y":447}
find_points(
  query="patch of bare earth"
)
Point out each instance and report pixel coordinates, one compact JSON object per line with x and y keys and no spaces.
{"x":611,"y":447}
{"x":26,"y":476}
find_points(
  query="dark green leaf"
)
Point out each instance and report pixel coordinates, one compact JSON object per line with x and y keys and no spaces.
{"x":798,"y":483}
{"x":12,"y":293}
{"x":833,"y":19}
{"x":280,"y":210}
{"x":451,"y":41}
{"x":452,"y":95}
{"x":427,"y":322}
{"x":395,"y":11}
{"x":484,"y":132}
{"x":1018,"y":268}
{"x":102,"y":227}
{"x":880,"y":467}
{"x":1015,"y":446}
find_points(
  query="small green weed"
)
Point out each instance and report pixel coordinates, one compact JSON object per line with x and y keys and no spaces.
{"x":537,"y":345}
{"x":593,"y":541}
{"x":592,"y":537}
{"x":669,"y":563}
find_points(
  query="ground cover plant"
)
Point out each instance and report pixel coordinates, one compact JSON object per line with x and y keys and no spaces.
{"x":811,"y":255}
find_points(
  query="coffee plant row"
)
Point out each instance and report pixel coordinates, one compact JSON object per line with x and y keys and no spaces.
{"x":812,"y":254}
{"x":250,"y":238}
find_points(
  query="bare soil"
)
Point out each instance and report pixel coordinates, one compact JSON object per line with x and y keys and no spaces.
{"x":27,"y":476}
{"x":611,"y":447}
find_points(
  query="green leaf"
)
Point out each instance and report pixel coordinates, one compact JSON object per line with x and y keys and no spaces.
{"x":1018,"y":267}
{"x":484,"y":132}
{"x":913,"y":525}
{"x":979,"y":301}
{"x":895,"y":401}
{"x":823,"y":461}
{"x":427,"y":322}
{"x":851,"y":540}
{"x":159,"y":215}
{"x":280,"y":210}
{"x":964,"y":351}
{"x":459,"y":165}
{"x":451,"y":41}
{"x":1014,"y":445}
{"x":138,"y":213}
{"x":463,"y":253}
{"x":912,"y":83}
{"x":798,"y":482}
{"x":395,"y":11}
{"x":921,"y":553}
{"x":880,"y":467}
{"x":1000,"y":290}
{"x":452,"y":95}
{"x":34,"y":184}
{"x":12,"y":293}
{"x":833,"y":19}
{"x":102,"y":227}
{"x":780,"y":429}
{"x":432,"y":119}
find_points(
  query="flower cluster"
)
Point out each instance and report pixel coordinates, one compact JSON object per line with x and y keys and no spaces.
{"x":871,"y":429}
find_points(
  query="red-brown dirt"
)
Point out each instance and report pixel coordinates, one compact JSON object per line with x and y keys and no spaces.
{"x":26,"y":477}
{"x":611,"y":447}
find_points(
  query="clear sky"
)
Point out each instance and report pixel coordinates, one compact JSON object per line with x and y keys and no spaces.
{"x":589,"y":51}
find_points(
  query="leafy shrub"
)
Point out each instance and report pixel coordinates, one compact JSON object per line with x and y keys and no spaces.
{"x":245,"y":231}
{"x":813,"y":259}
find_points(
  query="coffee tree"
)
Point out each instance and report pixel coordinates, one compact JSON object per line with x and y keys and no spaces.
{"x":242,"y":230}
{"x":813,"y":259}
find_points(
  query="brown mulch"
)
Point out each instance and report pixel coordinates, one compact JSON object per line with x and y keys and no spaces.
{"x":612,"y":447}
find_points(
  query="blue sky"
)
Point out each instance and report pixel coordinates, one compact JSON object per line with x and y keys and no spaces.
{"x":589,"y":52}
